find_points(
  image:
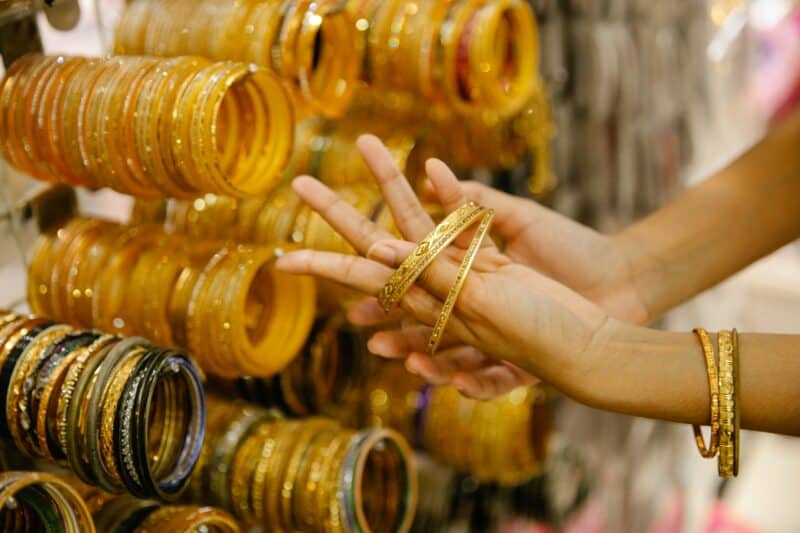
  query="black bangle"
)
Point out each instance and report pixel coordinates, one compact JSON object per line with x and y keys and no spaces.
{"x":54,"y":354}
{"x":7,"y":372}
{"x":74,"y":447}
{"x":107,"y":368}
{"x":124,"y":434}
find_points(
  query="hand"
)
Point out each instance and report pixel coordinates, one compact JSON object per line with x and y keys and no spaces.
{"x":510,"y":321}
{"x":595,"y":265}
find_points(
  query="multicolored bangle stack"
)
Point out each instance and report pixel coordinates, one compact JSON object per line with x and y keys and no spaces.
{"x":121,"y":413}
{"x":225,"y":303}
{"x":309,"y":475}
{"x":147,"y":126}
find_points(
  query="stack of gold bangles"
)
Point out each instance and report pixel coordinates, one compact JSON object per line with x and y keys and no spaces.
{"x":315,"y":46}
{"x":327,"y":150}
{"x":472,"y":56}
{"x":126,"y":514}
{"x":145,"y":126}
{"x":31,"y":501}
{"x":304,"y":475}
{"x":426,"y":252}
{"x":504,"y":440}
{"x":237,"y":314}
{"x":507,"y":436}
{"x":723,"y":384}
{"x":123,"y":414}
{"x":326,"y":378}
{"x":281,"y":217}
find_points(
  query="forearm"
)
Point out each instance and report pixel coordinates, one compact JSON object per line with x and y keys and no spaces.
{"x":744,"y":212}
{"x":656,"y":374}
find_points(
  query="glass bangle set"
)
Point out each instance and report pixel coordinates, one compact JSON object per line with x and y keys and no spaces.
{"x":120,"y":412}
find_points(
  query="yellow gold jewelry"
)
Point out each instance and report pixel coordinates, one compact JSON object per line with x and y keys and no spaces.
{"x":713,"y":386}
{"x":426,"y":251}
{"x":737,"y":405}
{"x":727,"y":405}
{"x":461,"y":278}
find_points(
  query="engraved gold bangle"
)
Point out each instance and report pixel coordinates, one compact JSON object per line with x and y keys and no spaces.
{"x":737,"y":405}
{"x":727,"y":405}
{"x":713,"y":386}
{"x":426,"y":251}
{"x":458,"y":284}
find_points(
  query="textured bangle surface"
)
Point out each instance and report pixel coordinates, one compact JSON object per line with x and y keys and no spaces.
{"x":426,"y":251}
{"x":713,"y":387}
{"x":727,"y":389}
{"x":461,"y":278}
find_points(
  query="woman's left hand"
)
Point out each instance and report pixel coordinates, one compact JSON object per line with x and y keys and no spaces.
{"x":510,"y":322}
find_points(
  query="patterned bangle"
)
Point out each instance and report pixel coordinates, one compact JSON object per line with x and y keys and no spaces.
{"x":713,"y":386}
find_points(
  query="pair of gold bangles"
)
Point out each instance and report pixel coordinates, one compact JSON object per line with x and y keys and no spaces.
{"x":723,"y":383}
{"x":427,"y":251}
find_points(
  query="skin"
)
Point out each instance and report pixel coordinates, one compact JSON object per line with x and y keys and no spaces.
{"x":565,"y":303}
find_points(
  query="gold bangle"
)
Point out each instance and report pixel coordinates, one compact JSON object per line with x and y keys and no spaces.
{"x":737,"y":404}
{"x":727,"y":405}
{"x":461,"y":278}
{"x":425,"y":252}
{"x":713,"y":387}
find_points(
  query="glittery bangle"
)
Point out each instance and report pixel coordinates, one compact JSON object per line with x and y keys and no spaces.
{"x":25,"y":337}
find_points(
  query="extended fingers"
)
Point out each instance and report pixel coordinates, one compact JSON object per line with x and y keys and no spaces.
{"x":360,"y":231}
{"x":450,"y":194}
{"x":436,"y":279}
{"x":399,"y":343}
{"x":368,"y":312}
{"x":355,"y":272}
{"x":442,"y":369}
{"x":491,"y":381}
{"x":360,"y":274}
{"x":411,"y":218}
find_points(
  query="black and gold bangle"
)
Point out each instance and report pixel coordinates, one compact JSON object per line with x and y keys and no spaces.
{"x":108,"y":366}
{"x":36,"y":327}
{"x":43,"y":378}
{"x":75,"y":418}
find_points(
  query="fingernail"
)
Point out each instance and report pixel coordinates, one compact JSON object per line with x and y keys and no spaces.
{"x":372,"y":346}
{"x":383,"y":254}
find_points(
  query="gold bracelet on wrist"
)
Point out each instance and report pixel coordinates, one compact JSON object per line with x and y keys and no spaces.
{"x":709,"y":451}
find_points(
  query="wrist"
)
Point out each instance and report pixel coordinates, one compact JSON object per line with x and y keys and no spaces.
{"x":631,"y":300}
{"x":636,"y":370}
